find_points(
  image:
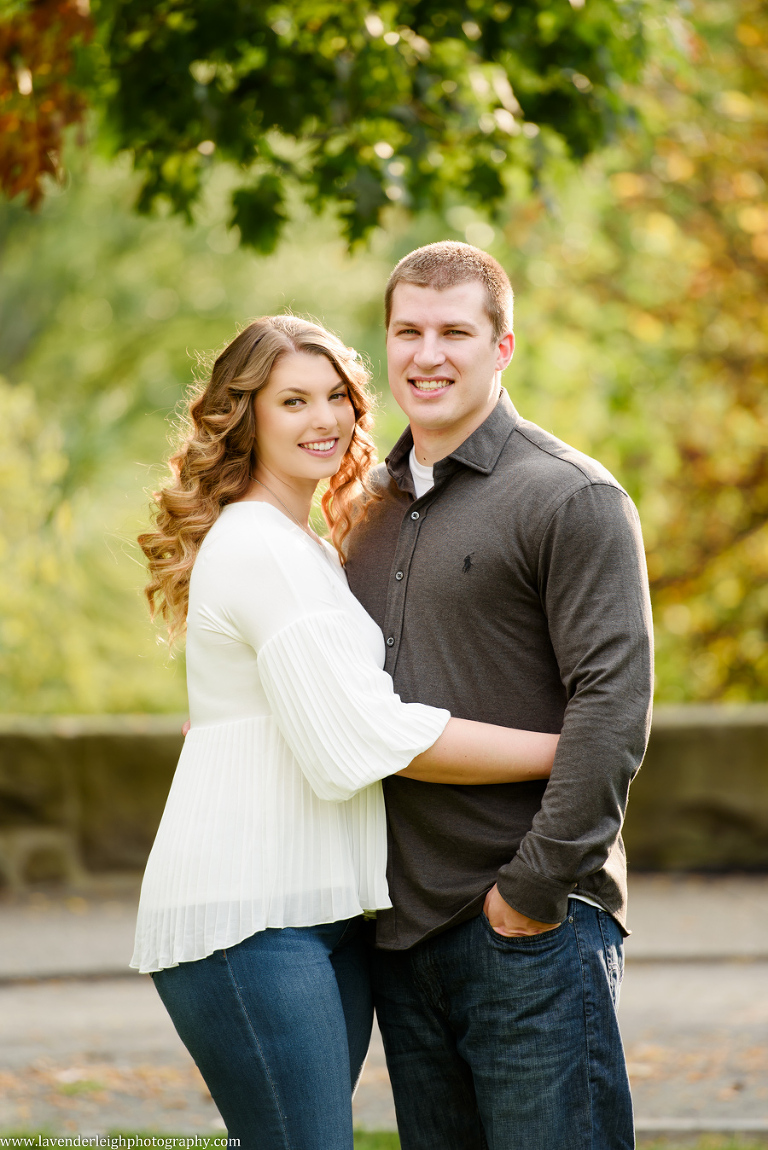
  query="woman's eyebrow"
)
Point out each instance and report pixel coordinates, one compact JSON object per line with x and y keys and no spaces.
{"x":301,"y":390}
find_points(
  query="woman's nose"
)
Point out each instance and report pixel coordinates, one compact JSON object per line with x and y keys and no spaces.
{"x":324,"y":417}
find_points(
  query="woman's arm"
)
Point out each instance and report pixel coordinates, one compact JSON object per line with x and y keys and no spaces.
{"x":472,"y":753}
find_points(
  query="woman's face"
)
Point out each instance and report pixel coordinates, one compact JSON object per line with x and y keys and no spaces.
{"x":304,"y":419}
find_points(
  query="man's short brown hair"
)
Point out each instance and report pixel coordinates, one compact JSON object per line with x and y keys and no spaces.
{"x":447,"y":264}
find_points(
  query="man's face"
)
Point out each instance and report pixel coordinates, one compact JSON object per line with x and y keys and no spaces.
{"x":442,"y":356}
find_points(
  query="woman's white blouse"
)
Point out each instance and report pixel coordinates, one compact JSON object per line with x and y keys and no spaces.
{"x":275,"y":816}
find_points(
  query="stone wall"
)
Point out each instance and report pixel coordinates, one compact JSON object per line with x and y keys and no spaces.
{"x":700,"y":801}
{"x":102,"y":778}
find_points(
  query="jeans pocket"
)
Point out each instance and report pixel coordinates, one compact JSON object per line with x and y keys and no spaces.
{"x":525,"y":941}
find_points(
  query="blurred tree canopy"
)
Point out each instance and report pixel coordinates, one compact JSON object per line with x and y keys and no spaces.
{"x":654,"y":292}
{"x":361,"y":107}
{"x":39,"y":94}
{"x":104,"y":318}
{"x":642,"y":328}
{"x":698,"y":197}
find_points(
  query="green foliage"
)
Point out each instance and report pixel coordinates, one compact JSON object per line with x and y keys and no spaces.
{"x":642,"y":339}
{"x":71,"y":633}
{"x":411,"y":103}
{"x":103,"y":316}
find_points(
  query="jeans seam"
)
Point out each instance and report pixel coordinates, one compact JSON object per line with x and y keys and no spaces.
{"x":614,"y":968}
{"x":348,"y":927}
{"x":586,"y":1031}
{"x":429,"y":976}
{"x":275,"y":1093}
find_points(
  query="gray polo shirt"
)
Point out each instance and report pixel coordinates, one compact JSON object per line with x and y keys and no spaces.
{"x":514,"y":592}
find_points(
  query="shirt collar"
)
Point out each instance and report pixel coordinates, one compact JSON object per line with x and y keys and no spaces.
{"x":480,"y":451}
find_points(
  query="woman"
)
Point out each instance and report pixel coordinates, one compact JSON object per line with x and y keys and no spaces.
{"x":272,"y":843}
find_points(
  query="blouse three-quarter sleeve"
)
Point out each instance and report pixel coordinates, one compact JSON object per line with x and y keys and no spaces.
{"x":337,"y":710}
{"x":334,"y":705}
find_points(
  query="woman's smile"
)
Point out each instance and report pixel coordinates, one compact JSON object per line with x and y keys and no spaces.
{"x":320,"y":447}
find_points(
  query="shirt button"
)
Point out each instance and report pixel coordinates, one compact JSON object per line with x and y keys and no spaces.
{"x":414,"y":515}
{"x":390,"y":641}
{"x":398,"y":575}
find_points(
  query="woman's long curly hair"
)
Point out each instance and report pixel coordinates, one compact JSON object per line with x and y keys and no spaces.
{"x":216,"y":455}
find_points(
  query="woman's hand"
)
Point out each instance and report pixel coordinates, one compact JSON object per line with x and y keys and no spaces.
{"x":469,"y":753}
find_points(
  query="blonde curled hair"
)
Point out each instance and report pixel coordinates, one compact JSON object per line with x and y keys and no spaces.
{"x":216,"y":454}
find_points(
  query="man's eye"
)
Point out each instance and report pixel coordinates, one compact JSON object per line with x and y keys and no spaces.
{"x":457,"y":331}
{"x":408,"y":331}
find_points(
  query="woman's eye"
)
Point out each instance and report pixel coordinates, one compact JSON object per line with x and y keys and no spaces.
{"x":292,"y":402}
{"x":340,"y":395}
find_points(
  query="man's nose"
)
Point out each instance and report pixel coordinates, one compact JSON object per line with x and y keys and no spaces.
{"x":429,"y":354}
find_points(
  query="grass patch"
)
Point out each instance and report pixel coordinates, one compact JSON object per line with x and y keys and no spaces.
{"x":82,"y":1086}
{"x":366,"y":1140}
{"x":703,"y":1142}
{"x":376,"y":1140}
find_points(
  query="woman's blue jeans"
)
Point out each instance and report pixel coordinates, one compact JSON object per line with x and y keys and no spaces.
{"x":279,"y":1027}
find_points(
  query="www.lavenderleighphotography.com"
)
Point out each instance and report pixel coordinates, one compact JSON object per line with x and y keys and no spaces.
{"x":384,"y":574}
{"x":115,"y":1141}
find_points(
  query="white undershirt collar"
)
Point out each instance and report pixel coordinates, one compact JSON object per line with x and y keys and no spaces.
{"x":423,"y":479}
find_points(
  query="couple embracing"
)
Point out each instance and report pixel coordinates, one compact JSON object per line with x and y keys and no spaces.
{"x":433,"y":715}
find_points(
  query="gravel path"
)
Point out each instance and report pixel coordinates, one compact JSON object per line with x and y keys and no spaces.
{"x":95,"y":1051}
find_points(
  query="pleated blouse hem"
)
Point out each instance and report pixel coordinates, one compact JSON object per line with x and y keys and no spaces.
{"x":162,"y":960}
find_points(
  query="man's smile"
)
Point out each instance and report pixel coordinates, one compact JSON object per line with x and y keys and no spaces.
{"x":429,"y":384}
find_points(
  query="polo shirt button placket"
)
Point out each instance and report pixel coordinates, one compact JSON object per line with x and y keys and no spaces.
{"x":399,"y":577}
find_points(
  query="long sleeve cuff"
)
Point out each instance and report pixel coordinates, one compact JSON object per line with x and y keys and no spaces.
{"x":534,"y":895}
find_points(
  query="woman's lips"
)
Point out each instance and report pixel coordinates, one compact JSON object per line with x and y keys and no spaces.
{"x":320,"y":447}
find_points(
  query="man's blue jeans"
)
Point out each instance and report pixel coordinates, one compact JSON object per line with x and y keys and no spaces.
{"x":279,"y":1028}
{"x":500,"y":1043}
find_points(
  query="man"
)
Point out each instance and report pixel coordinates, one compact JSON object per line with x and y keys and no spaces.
{"x":506,"y":571}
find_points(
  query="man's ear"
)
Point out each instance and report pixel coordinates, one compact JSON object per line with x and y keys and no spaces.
{"x":506,"y":350}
